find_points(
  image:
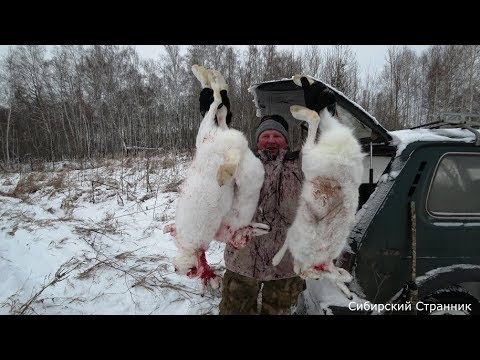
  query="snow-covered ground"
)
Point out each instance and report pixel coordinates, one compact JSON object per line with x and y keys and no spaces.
{"x":89,"y":240}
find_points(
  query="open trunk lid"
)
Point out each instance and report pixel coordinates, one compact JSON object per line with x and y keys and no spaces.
{"x":276,"y":97}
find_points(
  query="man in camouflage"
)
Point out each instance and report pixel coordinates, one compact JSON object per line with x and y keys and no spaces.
{"x":252,"y":285}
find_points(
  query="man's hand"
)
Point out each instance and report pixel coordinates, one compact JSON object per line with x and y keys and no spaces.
{"x":317,"y":96}
{"x":170,"y":228}
{"x":242,"y":236}
{"x":226,"y":102}
{"x":206,"y":99}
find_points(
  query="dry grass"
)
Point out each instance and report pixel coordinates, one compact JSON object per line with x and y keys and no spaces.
{"x":37,"y":165}
{"x":57,"y":181}
{"x":35,"y":181}
{"x":90,"y":271}
{"x":13,"y":231}
{"x":173,"y":186}
{"x":164,"y":217}
{"x":147,"y":196}
{"x":167,"y":162}
{"x":26,"y":185}
{"x":18,"y":307}
{"x":68,"y":204}
{"x":128,"y":161}
{"x":105,"y":227}
{"x":75,"y":186}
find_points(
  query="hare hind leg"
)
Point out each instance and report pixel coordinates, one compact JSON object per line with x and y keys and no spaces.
{"x":313,"y":120}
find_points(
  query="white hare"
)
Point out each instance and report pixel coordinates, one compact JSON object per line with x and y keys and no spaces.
{"x":220,"y":193}
{"x":326,"y":212}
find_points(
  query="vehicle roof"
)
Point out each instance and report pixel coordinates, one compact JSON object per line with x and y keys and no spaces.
{"x":402,"y":138}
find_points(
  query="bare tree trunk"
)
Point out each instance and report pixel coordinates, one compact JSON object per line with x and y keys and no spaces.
{"x":7,"y":164}
{"x":470,"y":78}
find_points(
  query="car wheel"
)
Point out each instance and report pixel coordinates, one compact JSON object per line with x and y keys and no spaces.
{"x":455,"y":295}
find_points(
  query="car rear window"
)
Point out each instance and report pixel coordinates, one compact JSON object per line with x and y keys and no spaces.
{"x":455,"y":187}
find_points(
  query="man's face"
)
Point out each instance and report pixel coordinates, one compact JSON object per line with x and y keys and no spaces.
{"x":272,"y":140}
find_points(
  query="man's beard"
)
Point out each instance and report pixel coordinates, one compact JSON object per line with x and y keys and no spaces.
{"x":269,"y":154}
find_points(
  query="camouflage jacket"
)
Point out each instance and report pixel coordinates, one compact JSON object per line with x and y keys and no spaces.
{"x":277,"y":206}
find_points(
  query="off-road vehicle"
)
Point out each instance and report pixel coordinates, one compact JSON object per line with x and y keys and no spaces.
{"x":417,"y":234}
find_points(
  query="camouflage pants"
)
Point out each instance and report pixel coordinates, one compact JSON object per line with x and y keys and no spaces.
{"x":240,"y":295}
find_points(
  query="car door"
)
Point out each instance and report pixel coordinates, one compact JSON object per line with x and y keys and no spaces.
{"x":448,"y":207}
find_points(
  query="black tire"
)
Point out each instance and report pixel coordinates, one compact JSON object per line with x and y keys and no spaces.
{"x":453,"y":295}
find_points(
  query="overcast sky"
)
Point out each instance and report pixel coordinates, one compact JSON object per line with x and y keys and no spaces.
{"x":370,"y":57}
